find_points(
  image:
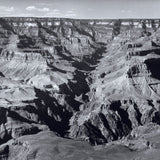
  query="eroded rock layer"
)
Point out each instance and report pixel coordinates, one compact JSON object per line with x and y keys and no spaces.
{"x":88,"y":80}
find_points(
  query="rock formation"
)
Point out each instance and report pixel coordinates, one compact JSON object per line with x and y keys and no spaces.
{"x":87,"y":80}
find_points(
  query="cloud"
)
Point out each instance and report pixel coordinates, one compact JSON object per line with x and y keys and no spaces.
{"x":33,"y":8}
{"x":6,"y":9}
{"x":44,"y":9}
{"x":47,"y":12}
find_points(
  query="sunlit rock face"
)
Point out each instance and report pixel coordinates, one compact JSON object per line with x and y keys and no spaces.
{"x":87,"y":80}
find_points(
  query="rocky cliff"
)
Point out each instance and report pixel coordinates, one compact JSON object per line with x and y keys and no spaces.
{"x":87,"y":80}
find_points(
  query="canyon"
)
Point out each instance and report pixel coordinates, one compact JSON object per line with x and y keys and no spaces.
{"x":85,"y":89}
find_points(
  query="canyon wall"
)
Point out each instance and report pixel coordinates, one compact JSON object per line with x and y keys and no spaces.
{"x":88,"y":80}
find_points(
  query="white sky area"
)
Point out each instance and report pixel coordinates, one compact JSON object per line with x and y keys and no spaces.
{"x":81,"y":9}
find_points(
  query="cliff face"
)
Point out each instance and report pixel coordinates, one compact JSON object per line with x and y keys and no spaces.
{"x":90,"y":80}
{"x":43,"y":70}
{"x":124,"y":92}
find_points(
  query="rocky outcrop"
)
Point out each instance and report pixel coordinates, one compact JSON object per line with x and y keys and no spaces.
{"x":90,"y":80}
{"x":42,"y":67}
{"x":142,"y":143}
{"x":122,"y":96}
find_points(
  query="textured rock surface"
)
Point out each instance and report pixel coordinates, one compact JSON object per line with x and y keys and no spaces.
{"x":88,"y":80}
{"x":46,"y":145}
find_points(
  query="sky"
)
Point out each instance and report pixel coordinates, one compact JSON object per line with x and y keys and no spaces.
{"x":81,"y":9}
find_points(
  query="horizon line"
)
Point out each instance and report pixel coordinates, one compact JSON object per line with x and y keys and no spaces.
{"x":45,"y":17}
